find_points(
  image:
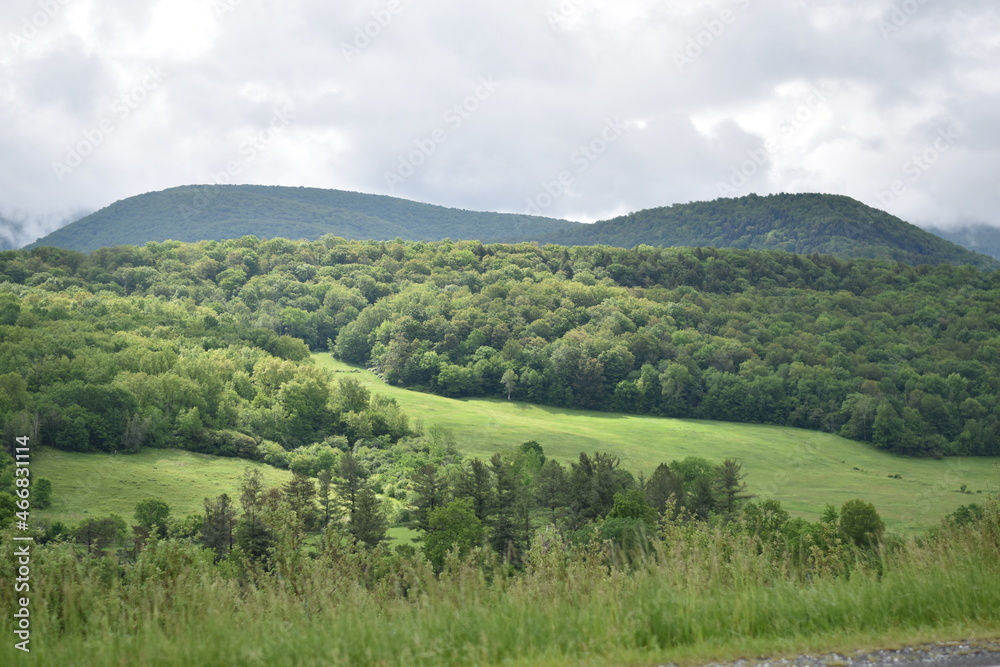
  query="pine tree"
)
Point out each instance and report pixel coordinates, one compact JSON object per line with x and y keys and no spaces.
{"x":476,"y":485}
{"x":251,"y":492}
{"x":300,"y":492}
{"x":217,"y":528}
{"x":551,"y":486}
{"x":325,"y":499}
{"x":350,"y":478}
{"x":367,"y":522}
{"x":731,"y":487}
{"x":511,"y":527}
{"x":430,"y":492}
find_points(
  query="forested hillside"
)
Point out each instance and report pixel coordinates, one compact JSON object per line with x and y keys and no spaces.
{"x":803,"y":224}
{"x":800,"y":223}
{"x":216,"y":212}
{"x":980,"y":238}
{"x":204,"y":345}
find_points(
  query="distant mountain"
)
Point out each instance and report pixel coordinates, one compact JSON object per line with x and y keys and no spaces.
{"x":799,"y":223}
{"x":195,"y":213}
{"x":980,"y":238}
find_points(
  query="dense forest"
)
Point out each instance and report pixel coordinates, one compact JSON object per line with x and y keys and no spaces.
{"x":206,"y":345}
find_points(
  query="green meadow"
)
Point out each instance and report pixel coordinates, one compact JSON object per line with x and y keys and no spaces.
{"x":95,"y":485}
{"x":805,"y":470}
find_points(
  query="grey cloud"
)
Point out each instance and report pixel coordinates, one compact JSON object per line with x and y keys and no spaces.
{"x":355,"y":115}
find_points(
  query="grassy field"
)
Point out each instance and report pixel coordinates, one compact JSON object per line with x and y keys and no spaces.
{"x":86,"y":485}
{"x":806,"y":470}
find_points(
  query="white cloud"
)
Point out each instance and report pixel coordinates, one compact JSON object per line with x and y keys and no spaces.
{"x":564,"y":67}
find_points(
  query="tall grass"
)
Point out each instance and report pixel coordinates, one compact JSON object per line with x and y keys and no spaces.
{"x":702,"y":592}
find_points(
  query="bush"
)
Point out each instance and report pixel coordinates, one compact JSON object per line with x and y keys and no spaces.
{"x":861,"y":522}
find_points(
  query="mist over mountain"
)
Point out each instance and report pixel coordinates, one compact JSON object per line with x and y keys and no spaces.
{"x":17,"y":231}
{"x":980,"y":238}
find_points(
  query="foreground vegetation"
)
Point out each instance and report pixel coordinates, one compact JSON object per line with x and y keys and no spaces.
{"x":700,"y":592}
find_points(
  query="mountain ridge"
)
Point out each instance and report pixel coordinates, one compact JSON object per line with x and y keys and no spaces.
{"x":216,"y":212}
{"x":799,"y":223}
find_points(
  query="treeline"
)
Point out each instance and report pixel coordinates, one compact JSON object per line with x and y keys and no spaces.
{"x":903,"y":357}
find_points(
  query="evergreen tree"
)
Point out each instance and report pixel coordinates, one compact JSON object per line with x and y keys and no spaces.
{"x":476,"y":485}
{"x":664,"y":487}
{"x":251,"y":492}
{"x":592,"y":484}
{"x":300,"y":493}
{"x":367,"y":522}
{"x":326,"y":502}
{"x":350,"y":479}
{"x":218,"y":526}
{"x":511,"y":525}
{"x":256,"y":540}
{"x":430,"y":491}
{"x":551,"y":486}
{"x":731,"y":487}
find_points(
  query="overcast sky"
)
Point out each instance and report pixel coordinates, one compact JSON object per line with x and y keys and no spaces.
{"x":576,"y":109}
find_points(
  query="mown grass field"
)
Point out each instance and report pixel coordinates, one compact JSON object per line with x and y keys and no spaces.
{"x":806,"y":470}
{"x":95,"y":485}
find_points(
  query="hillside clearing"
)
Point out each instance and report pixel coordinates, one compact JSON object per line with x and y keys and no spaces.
{"x":805,"y":470}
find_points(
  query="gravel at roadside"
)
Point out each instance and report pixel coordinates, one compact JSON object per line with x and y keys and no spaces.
{"x":943,"y":654}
